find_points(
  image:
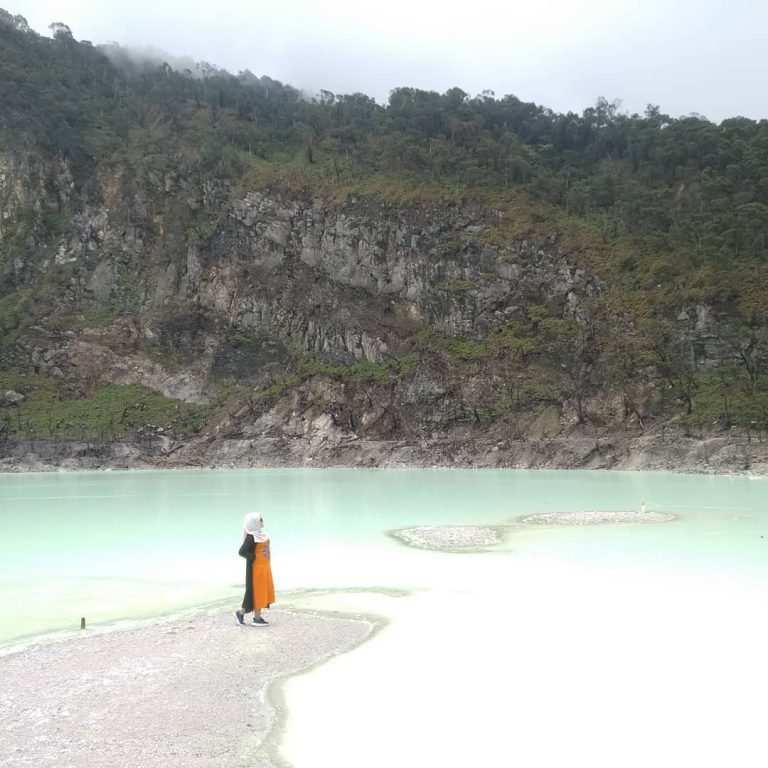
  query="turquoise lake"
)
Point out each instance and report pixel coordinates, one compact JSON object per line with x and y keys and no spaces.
{"x":130,"y":545}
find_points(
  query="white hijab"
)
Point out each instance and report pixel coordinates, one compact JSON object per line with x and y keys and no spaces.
{"x":254,"y":525}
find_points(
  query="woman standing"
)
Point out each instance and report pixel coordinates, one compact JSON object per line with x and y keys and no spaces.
{"x":259,"y":589}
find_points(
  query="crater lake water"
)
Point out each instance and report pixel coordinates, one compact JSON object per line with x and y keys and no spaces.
{"x":117,"y":545}
{"x":623,"y":640}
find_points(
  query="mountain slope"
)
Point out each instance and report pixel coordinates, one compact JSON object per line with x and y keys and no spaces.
{"x":201,"y":267}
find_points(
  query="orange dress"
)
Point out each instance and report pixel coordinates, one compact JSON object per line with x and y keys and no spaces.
{"x":263,"y":587}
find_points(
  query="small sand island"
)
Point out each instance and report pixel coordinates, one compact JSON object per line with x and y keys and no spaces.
{"x":476,"y":538}
{"x":596,"y":517}
{"x":449,"y":538}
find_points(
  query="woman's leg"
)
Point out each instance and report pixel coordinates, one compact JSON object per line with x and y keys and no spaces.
{"x":247,"y":606}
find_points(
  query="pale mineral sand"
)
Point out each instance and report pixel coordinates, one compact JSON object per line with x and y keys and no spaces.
{"x":541,"y":663}
{"x":473,"y":538}
{"x":199,"y":692}
{"x":449,"y":538}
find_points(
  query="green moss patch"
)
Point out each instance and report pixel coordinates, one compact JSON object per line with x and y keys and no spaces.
{"x":110,"y":412}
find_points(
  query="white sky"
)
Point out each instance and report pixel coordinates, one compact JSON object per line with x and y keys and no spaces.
{"x":705,"y":56}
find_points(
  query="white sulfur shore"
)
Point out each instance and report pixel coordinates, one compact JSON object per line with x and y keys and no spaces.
{"x":596,"y":518}
{"x":449,"y":538}
{"x":191,"y":693}
{"x":542,"y":662}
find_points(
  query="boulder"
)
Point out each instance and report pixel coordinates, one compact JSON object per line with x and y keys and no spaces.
{"x":10,"y":397}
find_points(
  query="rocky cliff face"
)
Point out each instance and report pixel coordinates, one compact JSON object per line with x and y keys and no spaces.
{"x":312,"y":329}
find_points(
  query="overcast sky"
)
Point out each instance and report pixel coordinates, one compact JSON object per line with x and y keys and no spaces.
{"x":705,"y":56}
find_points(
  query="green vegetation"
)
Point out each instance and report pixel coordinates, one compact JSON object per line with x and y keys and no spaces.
{"x":667,"y":212}
{"x":672,"y":184}
{"x":111,"y":412}
{"x":14,"y":309}
{"x":723,"y":401}
{"x":460,"y":286}
{"x":512,"y":342}
{"x":362,"y":372}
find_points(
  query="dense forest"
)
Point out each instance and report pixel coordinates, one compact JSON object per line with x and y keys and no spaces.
{"x":676,"y":183}
{"x":673,"y":210}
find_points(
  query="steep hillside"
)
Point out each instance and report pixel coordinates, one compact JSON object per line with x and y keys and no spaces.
{"x":203,"y":268}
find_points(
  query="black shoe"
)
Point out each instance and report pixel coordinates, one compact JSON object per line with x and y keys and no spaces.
{"x":239,"y":618}
{"x":259,"y":622}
